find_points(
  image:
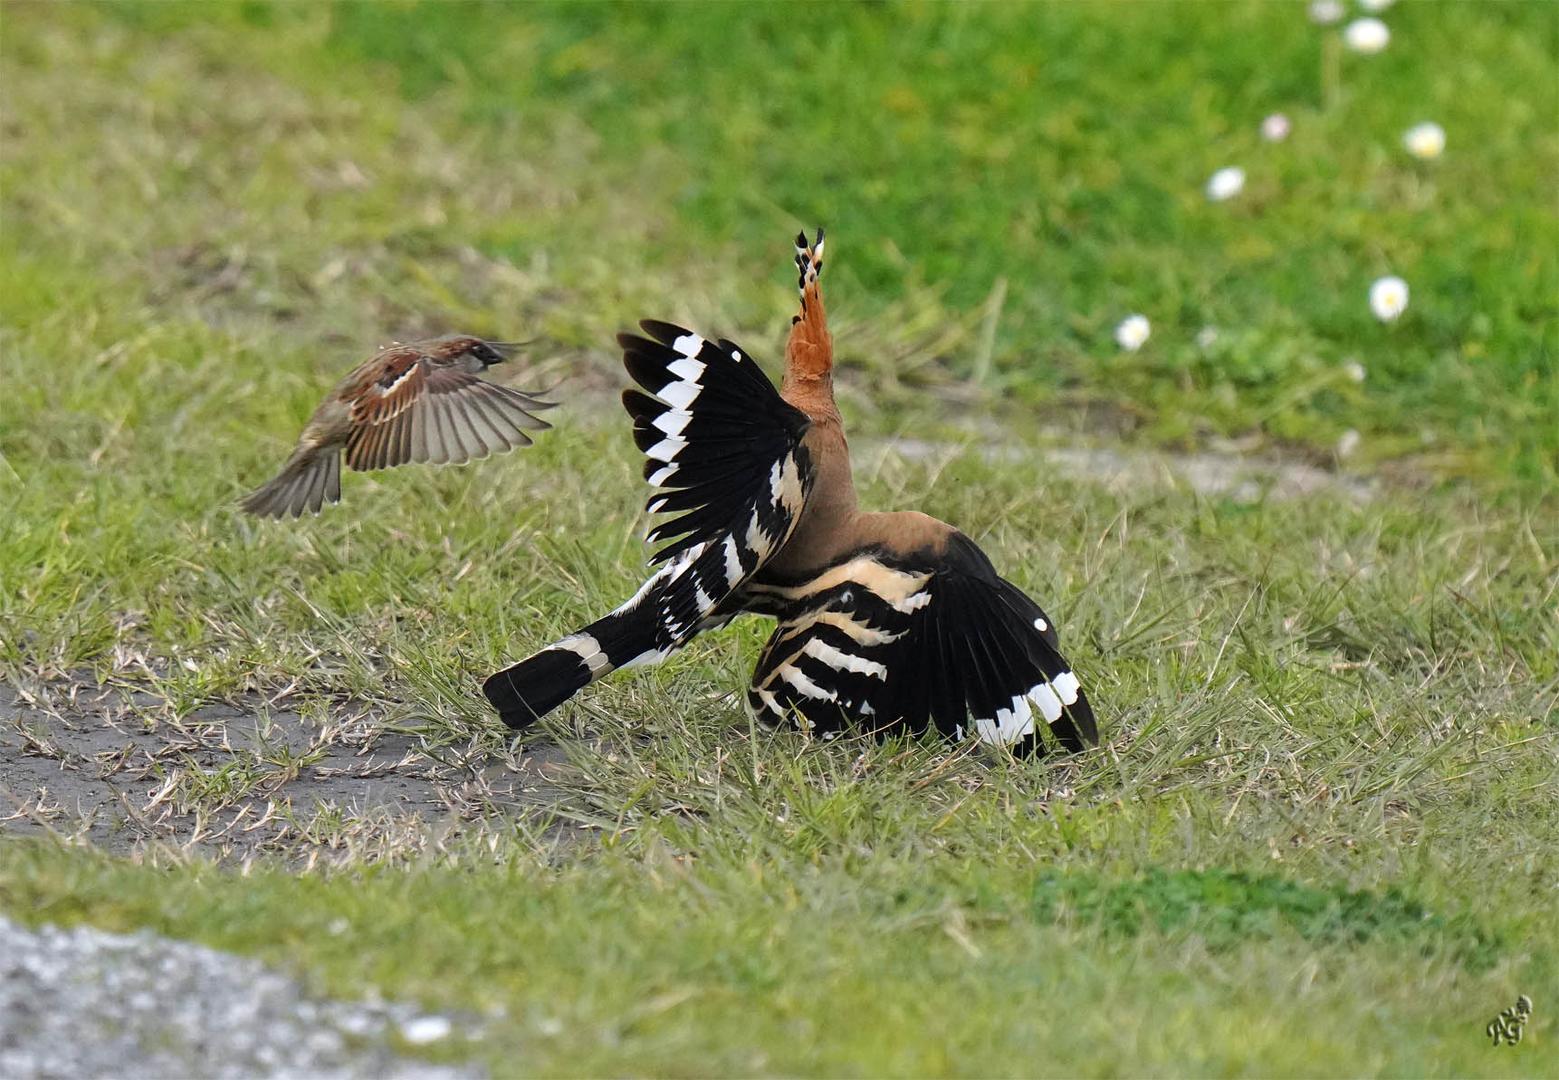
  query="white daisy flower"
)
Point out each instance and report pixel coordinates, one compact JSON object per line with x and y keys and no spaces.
{"x":1425,"y":141}
{"x":1326,"y":12}
{"x":1388,"y":298}
{"x":1133,"y":332}
{"x":1374,"y":7}
{"x":1226,"y":183}
{"x":1367,"y":36}
{"x":1354,"y":370}
{"x":1275,"y":128}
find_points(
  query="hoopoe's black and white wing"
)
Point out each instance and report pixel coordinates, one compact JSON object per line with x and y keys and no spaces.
{"x":721,"y":446}
{"x":902,"y":642}
{"x":725,"y":455}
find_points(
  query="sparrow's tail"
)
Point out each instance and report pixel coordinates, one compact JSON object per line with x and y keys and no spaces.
{"x":638,"y":632}
{"x":310,"y":479}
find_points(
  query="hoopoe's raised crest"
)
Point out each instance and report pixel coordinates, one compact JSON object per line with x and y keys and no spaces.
{"x":809,"y":354}
{"x":809,"y":265}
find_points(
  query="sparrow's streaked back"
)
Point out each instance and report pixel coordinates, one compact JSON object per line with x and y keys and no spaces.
{"x":422,"y":402}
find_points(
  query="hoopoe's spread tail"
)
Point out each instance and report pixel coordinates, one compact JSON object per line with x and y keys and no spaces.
{"x":726,"y":457}
{"x":916,"y":630}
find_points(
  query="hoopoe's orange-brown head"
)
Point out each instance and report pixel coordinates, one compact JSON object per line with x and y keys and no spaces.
{"x":809,"y":354}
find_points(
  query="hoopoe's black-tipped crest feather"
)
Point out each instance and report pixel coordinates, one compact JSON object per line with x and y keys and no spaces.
{"x":809,"y":264}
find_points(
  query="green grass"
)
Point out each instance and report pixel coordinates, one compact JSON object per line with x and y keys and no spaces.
{"x":929,"y":959}
{"x":1231,"y":909}
{"x":1319,"y":838}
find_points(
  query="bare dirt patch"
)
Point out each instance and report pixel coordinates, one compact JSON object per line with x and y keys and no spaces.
{"x":113,"y":765}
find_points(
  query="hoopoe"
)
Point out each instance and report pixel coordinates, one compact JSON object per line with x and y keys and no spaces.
{"x":423,"y":402}
{"x":887,"y":621}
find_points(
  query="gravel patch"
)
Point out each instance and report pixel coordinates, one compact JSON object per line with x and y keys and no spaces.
{"x":84,"y":1003}
{"x":121,"y":767}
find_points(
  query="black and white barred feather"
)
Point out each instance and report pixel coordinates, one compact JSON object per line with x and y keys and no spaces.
{"x":724,"y":452}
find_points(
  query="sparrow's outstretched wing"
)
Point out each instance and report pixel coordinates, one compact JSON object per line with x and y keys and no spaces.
{"x":415,"y":408}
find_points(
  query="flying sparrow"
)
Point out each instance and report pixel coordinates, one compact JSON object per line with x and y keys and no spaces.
{"x":422,"y":402}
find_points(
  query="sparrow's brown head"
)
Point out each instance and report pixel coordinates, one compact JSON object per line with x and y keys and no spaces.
{"x":460,"y":346}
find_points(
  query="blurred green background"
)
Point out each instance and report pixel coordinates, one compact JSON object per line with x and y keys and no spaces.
{"x":1004,"y":183}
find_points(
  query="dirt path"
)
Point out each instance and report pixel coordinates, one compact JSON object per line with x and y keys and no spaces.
{"x":1242,"y":477}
